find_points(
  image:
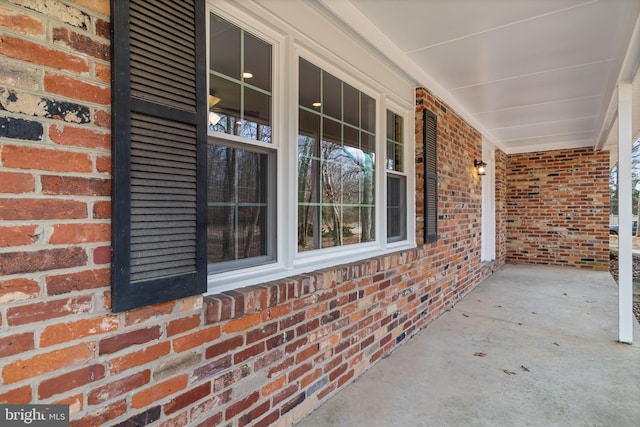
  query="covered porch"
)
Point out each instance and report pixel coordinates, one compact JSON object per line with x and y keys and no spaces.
{"x":531,"y":345}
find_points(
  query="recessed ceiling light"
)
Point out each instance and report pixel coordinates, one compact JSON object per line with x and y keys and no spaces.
{"x":316,"y":104}
{"x":247,"y":75}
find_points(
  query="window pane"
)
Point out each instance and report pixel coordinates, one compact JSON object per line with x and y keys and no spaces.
{"x":309,"y":92}
{"x":331,"y":96}
{"x":257,"y":62}
{"x":224,"y":47}
{"x":257,"y":116}
{"x":227,"y":109}
{"x":351,"y":105}
{"x":396,"y":208}
{"x":368,"y":113}
{"x":395,"y":142}
{"x":240,"y":83}
{"x":336,"y":185}
{"x":237,"y":199}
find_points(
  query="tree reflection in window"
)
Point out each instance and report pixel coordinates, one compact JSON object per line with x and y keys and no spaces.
{"x":336,"y":158}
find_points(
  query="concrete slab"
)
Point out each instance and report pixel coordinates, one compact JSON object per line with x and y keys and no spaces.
{"x":531,"y":346}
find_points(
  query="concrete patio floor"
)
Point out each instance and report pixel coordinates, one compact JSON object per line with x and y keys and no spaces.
{"x":530,"y":346}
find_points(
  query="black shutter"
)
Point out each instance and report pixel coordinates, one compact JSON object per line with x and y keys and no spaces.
{"x":430,"y":152}
{"x":159,"y":118}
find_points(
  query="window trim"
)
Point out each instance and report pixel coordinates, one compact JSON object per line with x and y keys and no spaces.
{"x":287,"y":49}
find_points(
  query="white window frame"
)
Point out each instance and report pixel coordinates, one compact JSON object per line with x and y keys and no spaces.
{"x":286,"y":52}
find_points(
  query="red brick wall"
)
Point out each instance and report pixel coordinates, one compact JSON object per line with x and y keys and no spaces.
{"x":558,"y":208}
{"x":252,"y":356}
{"x":501,"y":165}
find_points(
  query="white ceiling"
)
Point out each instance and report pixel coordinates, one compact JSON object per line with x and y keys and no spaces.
{"x":529,"y":74}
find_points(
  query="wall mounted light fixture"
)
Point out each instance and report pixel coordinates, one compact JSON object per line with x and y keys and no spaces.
{"x":479,"y":165}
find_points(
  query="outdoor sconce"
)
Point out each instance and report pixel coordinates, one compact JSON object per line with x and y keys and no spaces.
{"x":479,"y":165}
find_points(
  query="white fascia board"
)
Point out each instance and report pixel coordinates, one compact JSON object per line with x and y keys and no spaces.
{"x":628,"y":70}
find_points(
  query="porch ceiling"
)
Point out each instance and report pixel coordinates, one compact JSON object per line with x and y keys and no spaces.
{"x":530,"y":75}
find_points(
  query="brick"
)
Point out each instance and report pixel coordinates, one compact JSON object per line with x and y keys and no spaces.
{"x":21,"y":23}
{"x":299,"y":371}
{"x":43,"y":363}
{"x":63,"y":383}
{"x":248,"y":353}
{"x":48,"y":259}
{"x":184,"y":324}
{"x":41,"y":209}
{"x":103,"y":164}
{"x":118,"y":387}
{"x":241,"y":324}
{"x":20,"y":157}
{"x":177,"y":364}
{"x":16,"y":344}
{"x":103,"y":28}
{"x":139,"y":315}
{"x":196,"y":339}
{"x":292,"y":403}
{"x":211,"y":310}
{"x":48,"y":310}
{"x":16,"y":396}
{"x":273,"y":386}
{"x":255,"y":413}
{"x":80,"y":137}
{"x":284,"y":394}
{"x":188,"y":398}
{"x":262,"y":333}
{"x":18,"y":290}
{"x":101,"y":415}
{"x":231,"y":377}
{"x":159,"y":391}
{"x":103,"y":73}
{"x":241,"y":406}
{"x":224,"y":347}
{"x":139,"y":358}
{"x":81,"y":43}
{"x":17,"y":183}
{"x":34,"y":53}
{"x":21,"y":129}
{"x":100,"y":6}
{"x":209,"y":406}
{"x":65,"y":332}
{"x":52,"y":8}
{"x":124,"y":340}
{"x":20,"y":76}
{"x":212,"y":368}
{"x":74,"y":402}
{"x":76,"y":89}
{"x":102,"y":255}
{"x":102,"y":119}
{"x":145,"y":418}
{"x":102,"y":210}
{"x":80,"y":233}
{"x":269,"y":419}
{"x":81,"y":281}
{"x":35,"y":105}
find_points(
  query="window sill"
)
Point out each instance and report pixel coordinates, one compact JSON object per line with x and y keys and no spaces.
{"x":308,"y":262}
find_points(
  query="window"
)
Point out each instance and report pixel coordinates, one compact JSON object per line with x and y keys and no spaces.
{"x":241,"y":165}
{"x":336,"y":162}
{"x":240,"y":155}
{"x":396,"y":181}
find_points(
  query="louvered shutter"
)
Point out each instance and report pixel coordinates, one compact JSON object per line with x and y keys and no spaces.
{"x":430,"y":150}
{"x":159,"y":117}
